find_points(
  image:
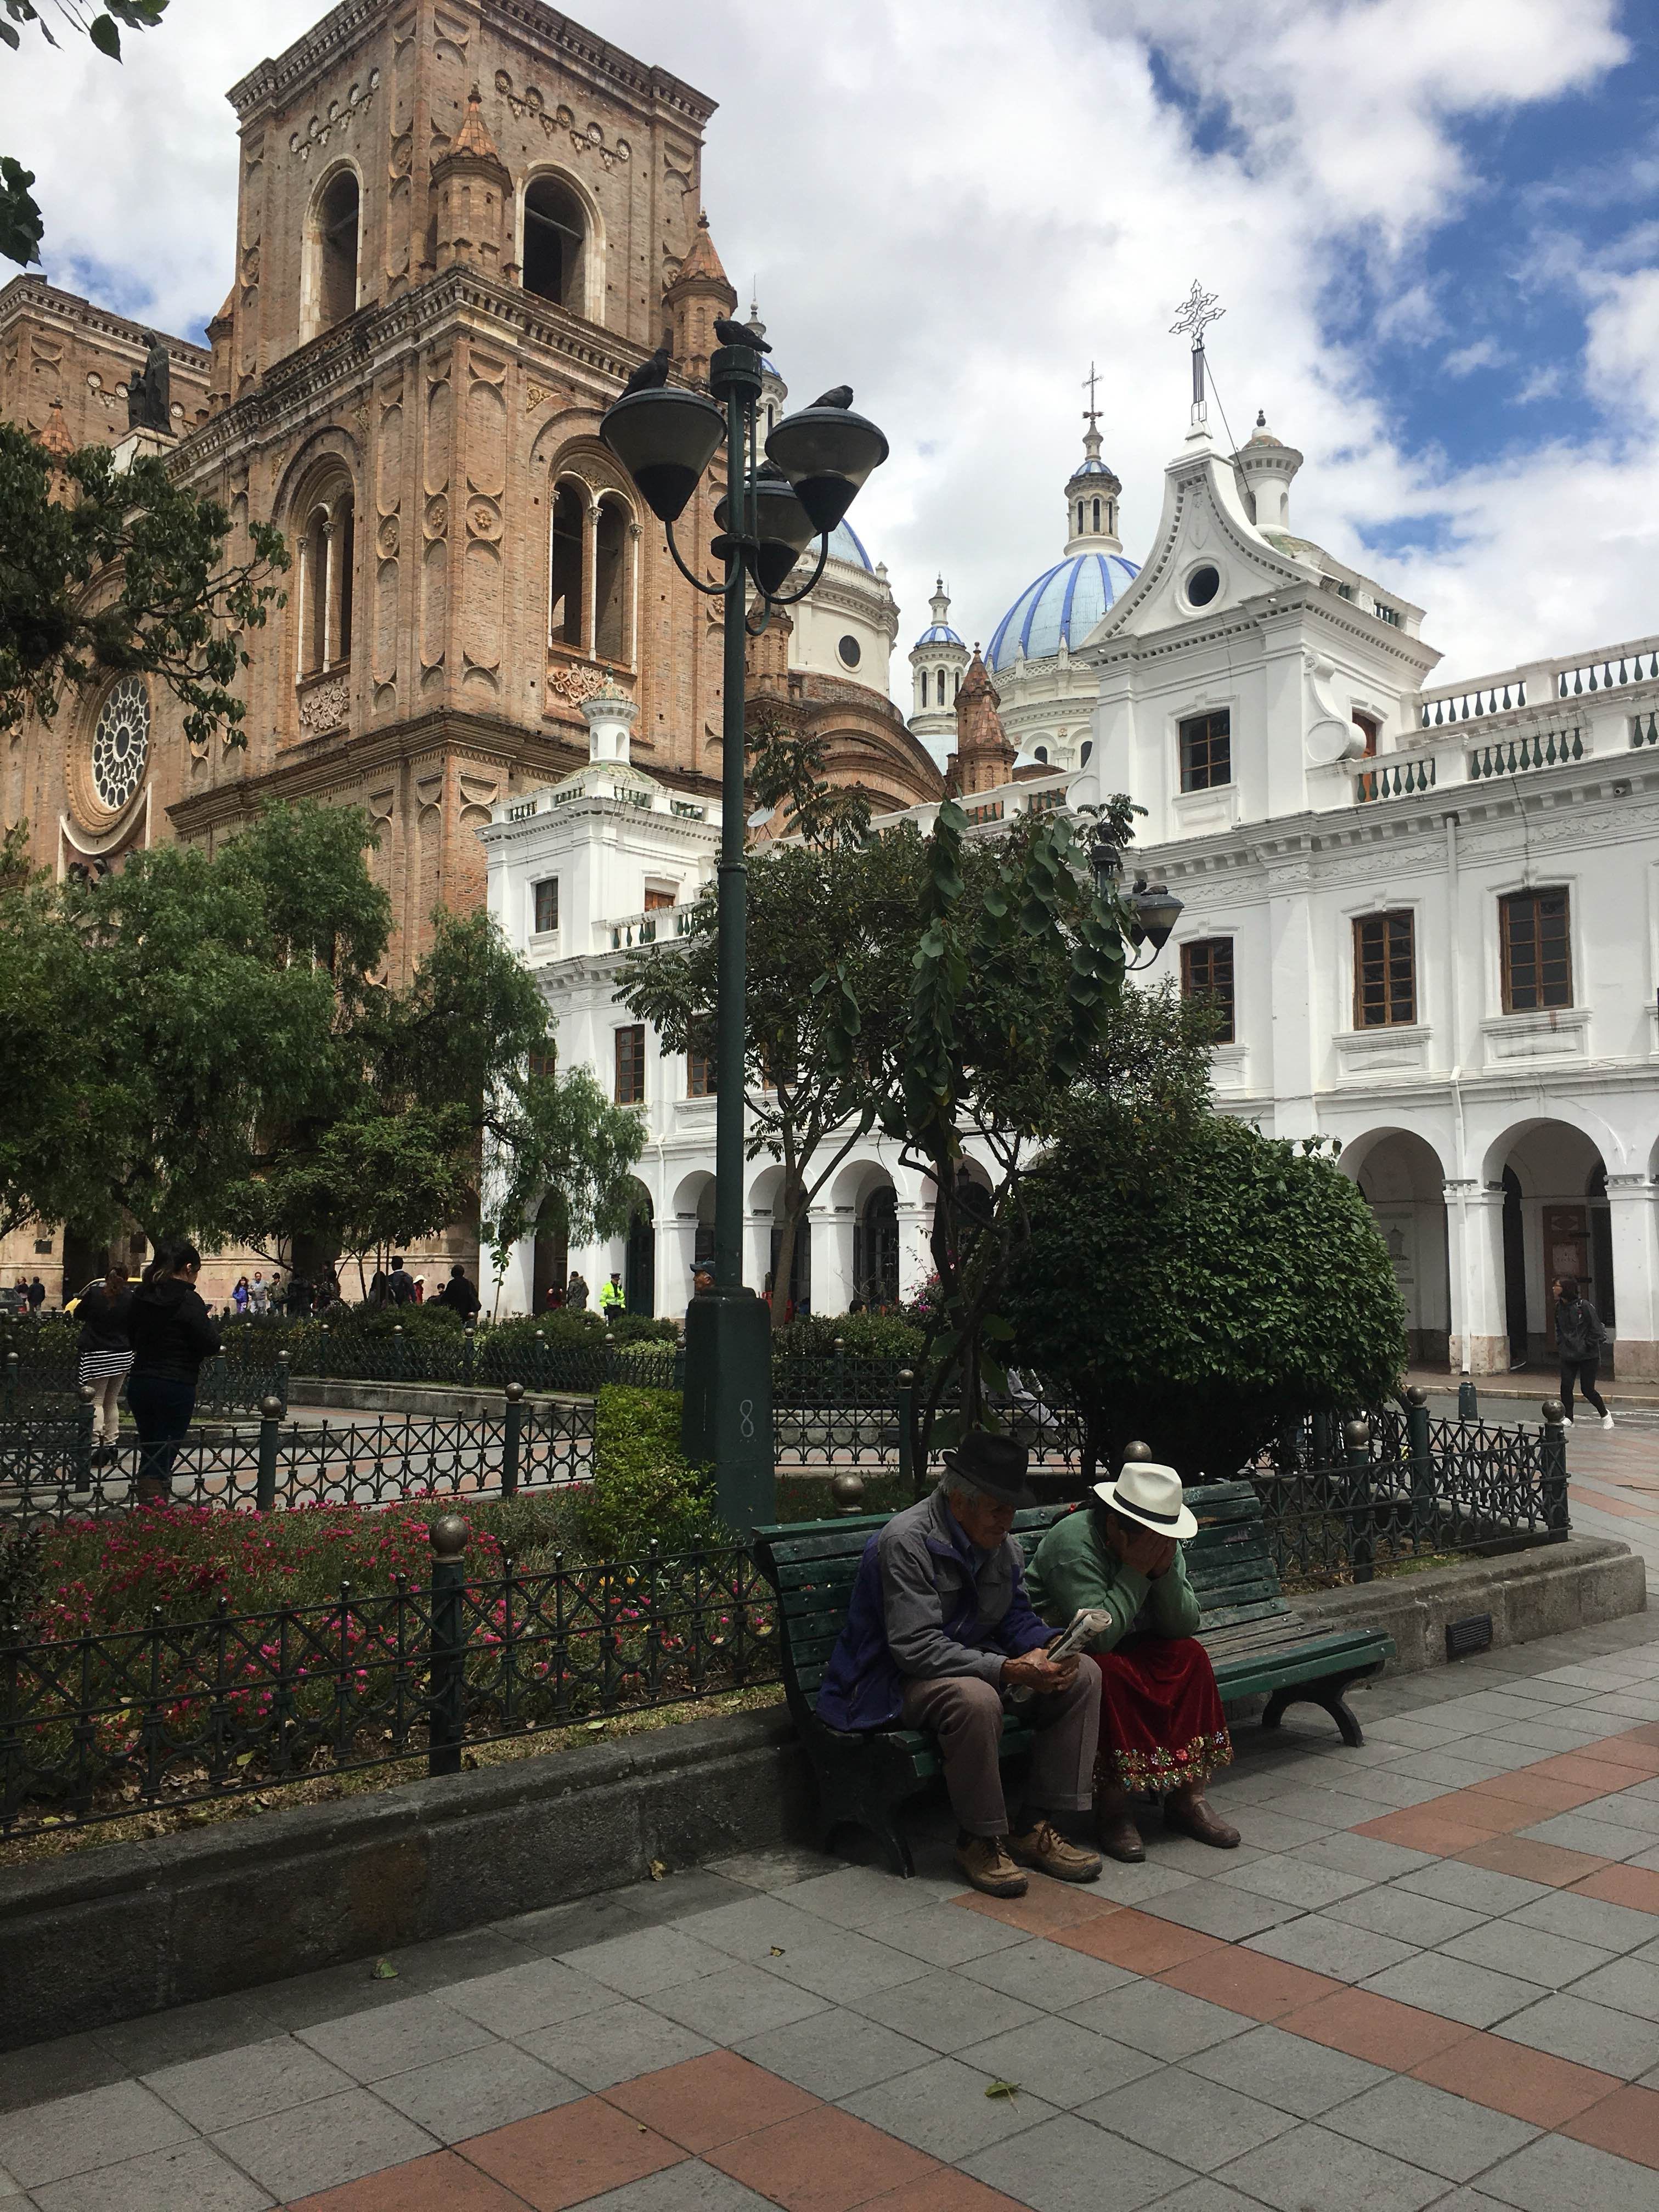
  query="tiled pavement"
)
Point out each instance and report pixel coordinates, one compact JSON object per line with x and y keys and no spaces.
{"x":1430,"y":1978}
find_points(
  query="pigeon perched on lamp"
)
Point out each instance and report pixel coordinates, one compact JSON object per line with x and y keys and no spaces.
{"x":838,"y":395}
{"x":731,"y":333}
{"x":651,"y":374}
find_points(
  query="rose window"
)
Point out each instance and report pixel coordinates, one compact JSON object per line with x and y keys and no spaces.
{"x":120,"y":743}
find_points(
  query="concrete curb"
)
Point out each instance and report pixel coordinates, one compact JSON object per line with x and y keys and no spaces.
{"x":103,"y":1935}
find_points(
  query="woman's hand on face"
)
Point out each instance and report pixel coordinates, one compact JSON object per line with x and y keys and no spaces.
{"x":1142,"y":1550}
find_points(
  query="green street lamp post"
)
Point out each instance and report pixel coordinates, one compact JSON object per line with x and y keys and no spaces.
{"x":815,"y":462}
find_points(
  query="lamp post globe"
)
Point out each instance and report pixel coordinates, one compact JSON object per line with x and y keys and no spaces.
{"x":665,"y":440}
{"x":1157,"y":910}
{"x":783,"y":528}
{"x":1105,"y":863}
{"x":828,"y":454}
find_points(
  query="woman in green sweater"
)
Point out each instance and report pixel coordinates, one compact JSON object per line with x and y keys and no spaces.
{"x":1162,"y":1729}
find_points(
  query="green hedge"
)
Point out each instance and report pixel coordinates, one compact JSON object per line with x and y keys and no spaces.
{"x":644,"y":1490}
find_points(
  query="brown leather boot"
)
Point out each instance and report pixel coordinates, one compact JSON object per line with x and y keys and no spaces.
{"x":1197,"y":1818}
{"x":1044,"y":1848}
{"x":985,"y":1863}
{"x":1118,"y":1837}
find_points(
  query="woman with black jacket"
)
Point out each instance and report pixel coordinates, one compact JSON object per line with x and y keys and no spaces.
{"x":104,"y":1310}
{"x":1580,"y":1340}
{"x":173,"y":1333}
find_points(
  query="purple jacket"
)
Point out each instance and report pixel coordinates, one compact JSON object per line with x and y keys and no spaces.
{"x":925,"y":1602}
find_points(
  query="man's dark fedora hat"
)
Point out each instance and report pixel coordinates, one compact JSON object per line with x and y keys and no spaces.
{"x":994,"y":1464}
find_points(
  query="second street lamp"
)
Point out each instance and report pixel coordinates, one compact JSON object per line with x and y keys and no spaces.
{"x":816,"y":461}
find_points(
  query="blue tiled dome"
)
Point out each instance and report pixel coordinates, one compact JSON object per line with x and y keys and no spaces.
{"x":1065,"y":602}
{"x":938,"y":633}
{"x":845,"y":545}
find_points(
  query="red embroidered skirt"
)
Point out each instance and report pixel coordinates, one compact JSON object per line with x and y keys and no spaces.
{"x":1161,"y":1722}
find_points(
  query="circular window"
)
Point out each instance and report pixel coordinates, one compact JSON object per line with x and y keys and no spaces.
{"x":851,"y":651}
{"x":120,"y":743}
{"x":1203,"y":584}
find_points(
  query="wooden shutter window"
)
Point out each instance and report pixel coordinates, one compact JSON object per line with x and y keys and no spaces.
{"x":1384,"y":971}
{"x":630,"y":1066}
{"x":1534,"y":932}
{"x":1206,"y":973}
{"x":1207,"y":742}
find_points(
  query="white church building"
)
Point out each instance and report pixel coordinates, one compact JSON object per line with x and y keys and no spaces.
{"x":1428,"y":913}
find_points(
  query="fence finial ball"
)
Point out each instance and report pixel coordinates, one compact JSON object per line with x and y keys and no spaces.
{"x":1417,"y":1395}
{"x":848,"y":1490}
{"x":449,"y":1537}
{"x":85,"y":1393}
{"x":514,"y":1392}
{"x":271,"y":1409}
{"x":1136,"y":1450}
{"x":1555,"y":1412}
{"x":1356,"y":1434}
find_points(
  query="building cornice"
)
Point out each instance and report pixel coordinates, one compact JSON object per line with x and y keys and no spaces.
{"x":33,"y":295}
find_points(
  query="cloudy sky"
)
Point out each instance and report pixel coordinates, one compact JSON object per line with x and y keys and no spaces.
{"x":1434,"y":225}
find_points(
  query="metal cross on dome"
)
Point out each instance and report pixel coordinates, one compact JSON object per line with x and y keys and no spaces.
{"x":1091,"y":413}
{"x":1198,"y":311}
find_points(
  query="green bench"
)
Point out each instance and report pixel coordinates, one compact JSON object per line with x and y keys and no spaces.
{"x":1258,"y":1644}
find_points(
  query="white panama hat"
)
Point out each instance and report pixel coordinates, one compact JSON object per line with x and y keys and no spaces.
{"x":1151,"y":1494}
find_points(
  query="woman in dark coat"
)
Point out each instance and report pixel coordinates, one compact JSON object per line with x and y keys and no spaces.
{"x":104,"y":1310}
{"x":173,"y":1333}
{"x":1580,"y":1340}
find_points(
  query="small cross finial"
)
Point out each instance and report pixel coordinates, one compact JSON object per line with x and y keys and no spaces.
{"x":1198,"y":311}
{"x":1091,"y":413}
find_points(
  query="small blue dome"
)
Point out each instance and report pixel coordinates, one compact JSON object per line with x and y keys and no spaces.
{"x":1065,"y":602}
{"x":937,"y":634}
{"x":845,"y":545}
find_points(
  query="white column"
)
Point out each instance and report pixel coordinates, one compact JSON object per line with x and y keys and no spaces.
{"x":331,"y":583}
{"x":757,"y":1250}
{"x":831,"y":1228}
{"x":673,"y":1267}
{"x":1480,"y":1326}
{"x":1630,"y":1203}
{"x":590,"y":580}
{"x":510,"y":1293}
{"x":916,"y":1227}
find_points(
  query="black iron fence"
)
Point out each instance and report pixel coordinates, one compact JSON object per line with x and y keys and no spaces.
{"x":99,"y":1727}
{"x":51,"y":1471}
{"x":40,"y":1374}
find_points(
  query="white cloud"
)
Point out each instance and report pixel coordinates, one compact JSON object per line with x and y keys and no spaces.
{"x":955,"y":203}
{"x":1485,"y":353}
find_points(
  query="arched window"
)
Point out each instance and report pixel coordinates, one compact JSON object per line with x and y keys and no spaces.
{"x":569,"y":528}
{"x":1041,"y":753}
{"x":1088,"y":747}
{"x":327,"y":537}
{"x":1097,"y":515}
{"x":337,"y":214}
{"x":958,"y":683}
{"x":555,"y":243}
{"x":1111,"y":516}
{"x":610,"y":580}
{"x":941,"y":687}
{"x":1080,"y":518}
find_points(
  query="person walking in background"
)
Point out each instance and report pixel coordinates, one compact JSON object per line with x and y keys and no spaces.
{"x":613,"y":1300}
{"x":239,"y":1295}
{"x":419,"y":1290}
{"x":37,"y":1295}
{"x":575,"y":1292}
{"x":259,"y":1295}
{"x":400,"y":1284}
{"x":1580,"y":1340}
{"x":104,"y":1310}
{"x":459,"y":1294}
{"x":173,"y":1333}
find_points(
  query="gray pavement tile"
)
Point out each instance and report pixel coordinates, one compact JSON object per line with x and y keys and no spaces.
{"x":1575,"y":1831}
{"x":1170,"y":1853}
{"x":1555,"y":2171}
{"x":1134,"y":1884}
{"x":749,"y":1929}
{"x":1647,"y":1790}
{"x":678,"y":1896}
{"x":691,"y":2186}
{"x":1629,"y":1809}
{"x":1205,"y":2195}
{"x":1365,"y":1855}
{"x":468,"y":2095}
{"x":1329,"y":1809}
{"x":943,"y":2109}
{"x":944,"y":1937}
{"x":1590,"y":2034}
{"x":1231,"y":1914}
{"x":1048,"y":1974}
{"x":1477,"y":1888}
{"x":1422,"y":1922}
{"x":189,"y":2177}
{"x":426,"y":1968}
{"x":330,"y":1993}
{"x":1386,"y":1786}
{"x":239,"y":2084}
{"x":167,"y":2038}
{"x":1064,"y":2064}
{"x":833,"y":2053}
{"x":1293,"y":1881}
{"x":1628,"y":1985}
{"x":1201,"y":2120}
{"x":534,"y":1994}
{"x":369,"y":2045}
{"x":603,"y":2048}
{"x":1542,"y":1739}
{"x":1067,"y":2166}
{"x":94,"y":2128}
{"x":1416,"y":1735}
{"x":1264,"y":1830}
{"x":1330,"y":1947}
{"x":1454,"y":1989}
{"x":1616,"y":1928}
{"x":1449,"y":2135}
{"x":343,"y":2138}
{"x":1532,"y":1954}
{"x":842,"y":1966}
{"x":946,"y":2011}
{"x":858,"y":1896}
{"x":1455,"y":1768}
{"x":1286,"y":2071}
{"x":556,"y":1927}
{"x":1647,"y":1860}
{"x":1167,"y":2023}
{"x":774,"y":1870}
{"x":1312,"y":2170}
{"x":66,"y":2064}
{"x":1628,"y":1705}
{"x":653,"y":1957}
{"x":729,"y":2008}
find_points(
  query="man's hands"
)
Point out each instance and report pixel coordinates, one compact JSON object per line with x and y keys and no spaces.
{"x":1036,"y":1670}
{"x":1148,"y":1553}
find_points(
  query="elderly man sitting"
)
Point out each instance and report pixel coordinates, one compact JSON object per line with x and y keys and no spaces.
{"x":1162,"y":1727}
{"x":939,"y":1630}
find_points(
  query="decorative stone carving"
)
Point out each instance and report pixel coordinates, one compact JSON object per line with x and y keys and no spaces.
{"x":120,"y":745}
{"x":388,"y":538}
{"x":437,"y":516}
{"x":575,"y":682}
{"x":483,"y":519}
{"x":339,"y":120}
{"x":325,"y":706}
{"x":535,"y":394}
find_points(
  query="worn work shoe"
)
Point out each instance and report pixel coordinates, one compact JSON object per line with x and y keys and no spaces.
{"x":1118,"y":1837}
{"x":1201,"y":1822}
{"x":1044,"y":1848}
{"x":985,"y":1861}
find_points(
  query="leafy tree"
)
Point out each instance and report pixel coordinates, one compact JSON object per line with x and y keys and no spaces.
{"x":1191,"y":1282}
{"x":124,"y":575}
{"x":832,"y":903}
{"x":20,"y":225}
